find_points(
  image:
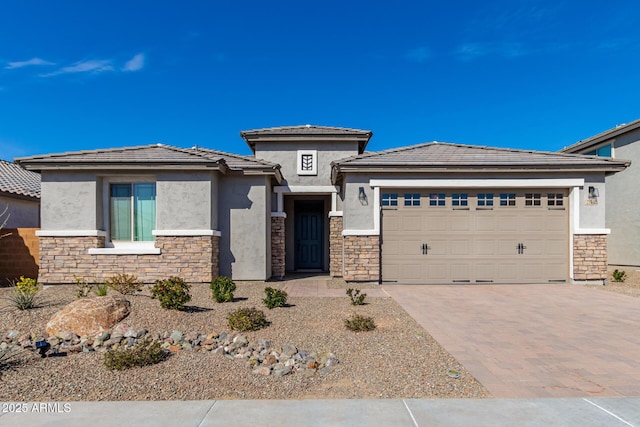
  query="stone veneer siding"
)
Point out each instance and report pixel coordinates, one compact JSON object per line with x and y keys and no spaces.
{"x":193,"y":258}
{"x":335,"y":246}
{"x":277,"y":247}
{"x":361,"y":258}
{"x":590,"y":257}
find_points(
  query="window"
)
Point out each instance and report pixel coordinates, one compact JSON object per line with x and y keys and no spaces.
{"x":507,"y":199}
{"x":307,"y":162}
{"x":532,"y":199}
{"x":555,"y":199}
{"x":412,"y":199}
{"x":132,"y":211}
{"x":604,"y":151}
{"x":437,"y":199}
{"x":485,"y":199}
{"x":459,"y":199}
{"x":389,"y":199}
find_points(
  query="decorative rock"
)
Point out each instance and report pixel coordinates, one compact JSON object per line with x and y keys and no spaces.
{"x":141,"y":333}
{"x":270,"y":360}
{"x":12,"y":333}
{"x":130,"y":333}
{"x":120,"y":329}
{"x":288,"y":350}
{"x":89,"y":316}
{"x":176,"y":336}
{"x":262,"y":370}
{"x":175,"y":348}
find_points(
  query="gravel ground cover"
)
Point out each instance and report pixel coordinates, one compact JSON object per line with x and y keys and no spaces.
{"x":397,"y":360}
{"x":631,"y":285}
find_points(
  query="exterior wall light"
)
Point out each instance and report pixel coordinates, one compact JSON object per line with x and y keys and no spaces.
{"x":593,"y":192}
{"x":362,"y":196}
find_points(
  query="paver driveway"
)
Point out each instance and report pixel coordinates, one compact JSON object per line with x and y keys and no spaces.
{"x":534,"y":340}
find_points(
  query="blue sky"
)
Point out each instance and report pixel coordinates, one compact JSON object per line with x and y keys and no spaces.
{"x":524,"y":74}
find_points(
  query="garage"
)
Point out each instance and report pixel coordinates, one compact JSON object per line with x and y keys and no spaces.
{"x":493,"y":235}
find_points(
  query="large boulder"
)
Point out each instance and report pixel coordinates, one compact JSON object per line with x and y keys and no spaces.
{"x":89,"y":316}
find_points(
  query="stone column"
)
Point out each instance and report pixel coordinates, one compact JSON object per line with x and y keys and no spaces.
{"x":335,"y":246}
{"x":361,"y":258}
{"x":590,"y":257}
{"x":277,"y":247}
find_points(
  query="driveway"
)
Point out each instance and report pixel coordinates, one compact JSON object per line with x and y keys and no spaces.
{"x":523,"y":341}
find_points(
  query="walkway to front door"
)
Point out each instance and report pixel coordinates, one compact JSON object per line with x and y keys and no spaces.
{"x":524,"y":341}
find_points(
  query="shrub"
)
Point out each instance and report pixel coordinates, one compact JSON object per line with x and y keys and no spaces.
{"x":247,"y":319}
{"x":126,"y":284}
{"x":222,"y":289}
{"x":356,"y":297}
{"x":101,"y":290}
{"x":619,"y":275}
{"x":274,"y":298}
{"x":172,"y":293}
{"x":23,"y":300}
{"x":358,"y":323}
{"x":139,"y":355}
{"x":82,"y":287}
{"x":27,"y":285}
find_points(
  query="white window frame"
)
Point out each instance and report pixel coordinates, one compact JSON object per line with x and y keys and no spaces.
{"x":314,"y":162}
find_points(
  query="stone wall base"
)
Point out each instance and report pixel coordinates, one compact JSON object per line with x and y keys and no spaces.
{"x":193,"y":258}
{"x":361,"y":258}
{"x":335,"y":246}
{"x":590,"y":257}
{"x":277,"y":247}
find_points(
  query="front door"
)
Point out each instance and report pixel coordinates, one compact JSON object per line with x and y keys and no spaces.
{"x":309,"y":235}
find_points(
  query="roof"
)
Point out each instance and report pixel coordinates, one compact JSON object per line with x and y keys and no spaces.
{"x":305,"y":132}
{"x":147,"y":157}
{"x":440,"y":156}
{"x":15,"y":180}
{"x":601,"y":137}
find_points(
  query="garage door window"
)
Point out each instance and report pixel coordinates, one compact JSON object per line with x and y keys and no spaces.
{"x":532,"y":199}
{"x":412,"y":199}
{"x":485,"y":199}
{"x":555,"y":199}
{"x":507,"y":199}
{"x":459,"y":199}
{"x":437,"y":199}
{"x":389,"y":199}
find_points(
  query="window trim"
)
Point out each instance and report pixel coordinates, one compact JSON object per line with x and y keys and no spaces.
{"x":507,"y":200}
{"x":435,"y":202}
{"x":393,"y":197}
{"x":412,"y":201}
{"x":487,"y":202}
{"x":314,"y":162}
{"x":530,"y":200}
{"x":459,"y":200}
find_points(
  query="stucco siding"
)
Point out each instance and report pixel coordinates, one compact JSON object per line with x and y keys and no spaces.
{"x":184,"y":201}
{"x":242,"y":214}
{"x":20,"y":213}
{"x":592,"y":210}
{"x":69,"y":201}
{"x":358,"y":216}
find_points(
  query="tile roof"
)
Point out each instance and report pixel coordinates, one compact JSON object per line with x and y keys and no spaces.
{"x":438,"y":155}
{"x":307,"y":130}
{"x":602,"y":136}
{"x":18,"y":181}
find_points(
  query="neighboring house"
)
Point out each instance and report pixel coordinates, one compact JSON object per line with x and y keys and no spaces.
{"x":20,"y":195}
{"x":623,"y":199}
{"x":311,"y":199}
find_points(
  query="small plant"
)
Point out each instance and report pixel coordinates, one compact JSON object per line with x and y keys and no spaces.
{"x":24,"y":294}
{"x":358,"y":323}
{"x":27,"y":285}
{"x":247,"y":319}
{"x":222,"y":289}
{"x":101,"y":289}
{"x":126,"y":284}
{"x":173,"y":293}
{"x":5,"y":356}
{"x":274,"y":298}
{"x":83,"y":289}
{"x":356,"y":297}
{"x":139,"y":355}
{"x":619,"y":275}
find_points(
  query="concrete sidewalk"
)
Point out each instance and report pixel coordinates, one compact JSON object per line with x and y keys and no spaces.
{"x":582,"y":412}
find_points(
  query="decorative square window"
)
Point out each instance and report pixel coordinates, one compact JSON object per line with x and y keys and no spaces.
{"x":307,"y":162}
{"x":485,"y":199}
{"x":412,"y":199}
{"x":507,"y":199}
{"x":389,"y":199}
{"x":532,"y":199}
{"x":437,"y":199}
{"x":555,"y":199}
{"x":459,"y":199}
{"x":132,"y":211}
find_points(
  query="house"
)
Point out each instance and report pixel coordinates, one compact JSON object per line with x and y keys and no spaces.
{"x":311,"y":199}
{"x":623,"y":200}
{"x":19,"y":195}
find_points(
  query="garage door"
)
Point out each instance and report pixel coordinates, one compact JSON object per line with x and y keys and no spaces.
{"x":483,"y":236}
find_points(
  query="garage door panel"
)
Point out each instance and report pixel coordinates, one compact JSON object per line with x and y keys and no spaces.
{"x":460,"y":247}
{"x":438,"y":247}
{"x":484,"y":247}
{"x":460,"y":272}
{"x":410,"y":247}
{"x":436,"y":272}
{"x":435,"y":222}
{"x":485,"y":222}
{"x":460,"y":221}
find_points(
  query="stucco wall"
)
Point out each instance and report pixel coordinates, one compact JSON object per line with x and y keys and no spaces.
{"x":20,"y":213}
{"x":242,"y":220}
{"x":185,"y":200}
{"x":285,"y":154}
{"x":68,"y":201}
{"x":593,"y":210}
{"x":356,"y":215}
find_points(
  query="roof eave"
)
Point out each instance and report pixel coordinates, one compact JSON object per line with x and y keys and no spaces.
{"x":601,"y":137}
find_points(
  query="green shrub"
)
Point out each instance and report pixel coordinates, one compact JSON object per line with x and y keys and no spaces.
{"x":23,"y":300}
{"x":83,"y":289}
{"x":27,"y":285}
{"x":359,"y":323}
{"x":139,"y":355}
{"x":101,"y":289}
{"x":247,"y":319}
{"x":172,"y":293}
{"x":274,"y":298}
{"x":356,"y":297}
{"x":222,"y":289}
{"x":619,"y":275}
{"x":126,"y":284}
